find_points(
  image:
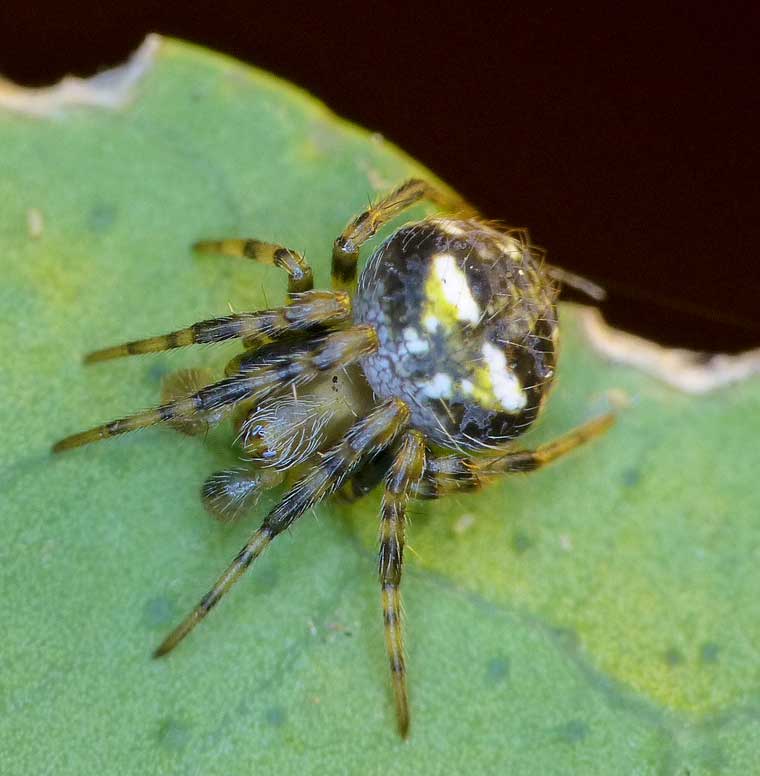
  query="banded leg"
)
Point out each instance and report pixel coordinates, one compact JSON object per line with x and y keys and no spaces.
{"x":308,"y":310}
{"x":405,"y":473}
{"x":374,"y":432}
{"x":456,"y":474}
{"x":346,"y":247}
{"x":300,"y":277}
{"x":182,"y":383}
{"x":257,"y":377}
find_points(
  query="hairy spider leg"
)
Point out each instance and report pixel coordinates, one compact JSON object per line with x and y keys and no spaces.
{"x":449,"y":474}
{"x":300,"y":277}
{"x":256,"y":378}
{"x":181,"y":383}
{"x":368,"y":435}
{"x":308,"y":310}
{"x":404,"y":474}
{"x":346,"y":247}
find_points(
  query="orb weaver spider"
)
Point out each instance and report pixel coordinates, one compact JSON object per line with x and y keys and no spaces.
{"x":443,"y":357}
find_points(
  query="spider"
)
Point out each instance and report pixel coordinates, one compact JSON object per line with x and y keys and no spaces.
{"x":443,"y":357}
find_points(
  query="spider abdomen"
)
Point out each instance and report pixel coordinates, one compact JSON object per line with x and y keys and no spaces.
{"x":467,"y":325}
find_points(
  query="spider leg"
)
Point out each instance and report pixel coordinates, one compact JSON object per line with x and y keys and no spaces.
{"x":404,"y":474}
{"x":257,"y":377}
{"x":578,"y":282}
{"x":449,"y":474}
{"x":310,"y":309}
{"x":346,"y":247}
{"x":300,"y":276}
{"x":372,"y":433}
{"x":181,"y":383}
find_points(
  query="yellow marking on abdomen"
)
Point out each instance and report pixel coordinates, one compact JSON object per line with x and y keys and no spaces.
{"x":448,"y":297}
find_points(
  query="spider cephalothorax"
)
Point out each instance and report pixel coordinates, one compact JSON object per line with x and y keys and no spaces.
{"x":443,"y":358}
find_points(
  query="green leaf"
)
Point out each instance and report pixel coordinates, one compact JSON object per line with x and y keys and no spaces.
{"x":599,"y":616}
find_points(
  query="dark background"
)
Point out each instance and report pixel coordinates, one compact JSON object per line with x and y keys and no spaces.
{"x":626,"y":140}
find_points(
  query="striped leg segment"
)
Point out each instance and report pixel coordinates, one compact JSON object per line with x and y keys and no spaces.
{"x":183,"y":382}
{"x":257,"y":377}
{"x":368,"y":435}
{"x":346,"y":247}
{"x":406,"y":471}
{"x":300,"y":276}
{"x":309,"y":309}
{"x":449,"y":474}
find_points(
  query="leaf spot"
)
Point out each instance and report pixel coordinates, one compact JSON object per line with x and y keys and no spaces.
{"x":631,"y":477}
{"x":521,"y":542}
{"x":574,"y":731}
{"x":158,"y":612}
{"x":275,"y":716}
{"x":101,"y":217}
{"x":673,"y":657}
{"x":709,"y":652}
{"x":497,"y":670}
{"x":173,"y":735}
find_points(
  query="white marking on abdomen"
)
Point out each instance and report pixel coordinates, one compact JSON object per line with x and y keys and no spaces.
{"x":439,"y":387}
{"x":506,"y":386}
{"x":414,"y":343}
